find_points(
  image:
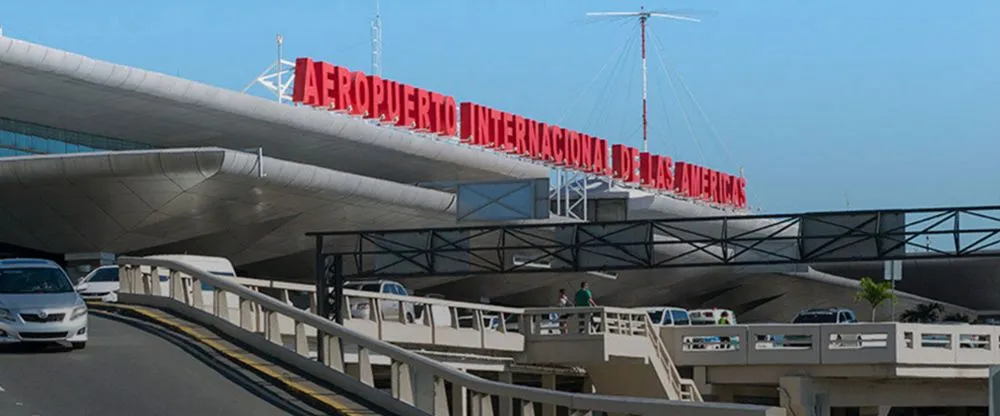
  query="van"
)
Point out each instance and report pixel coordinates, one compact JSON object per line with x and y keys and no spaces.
{"x":668,"y":316}
{"x":218,"y":266}
{"x":710,"y":316}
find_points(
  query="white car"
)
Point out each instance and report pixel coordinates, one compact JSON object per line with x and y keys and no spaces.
{"x":38,"y":304}
{"x":360,"y":307}
{"x":101,"y":284}
{"x":668,"y":316}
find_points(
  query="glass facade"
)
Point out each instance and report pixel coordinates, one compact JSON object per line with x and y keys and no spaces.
{"x":19,"y":138}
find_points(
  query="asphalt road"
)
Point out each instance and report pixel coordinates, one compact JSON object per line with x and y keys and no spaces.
{"x":124,"y":371}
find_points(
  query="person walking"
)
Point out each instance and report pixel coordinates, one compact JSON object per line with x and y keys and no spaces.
{"x":585,"y":299}
{"x":563,"y":302}
{"x":724,"y":341}
{"x":724,"y":318}
{"x":563,"y":299}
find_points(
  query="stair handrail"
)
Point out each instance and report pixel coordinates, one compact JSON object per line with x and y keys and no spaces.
{"x":660,"y":350}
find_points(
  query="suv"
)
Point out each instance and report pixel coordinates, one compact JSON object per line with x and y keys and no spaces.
{"x":826,"y":316}
{"x":38,"y":303}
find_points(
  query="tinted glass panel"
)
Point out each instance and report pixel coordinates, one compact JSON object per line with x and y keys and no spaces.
{"x":19,"y":139}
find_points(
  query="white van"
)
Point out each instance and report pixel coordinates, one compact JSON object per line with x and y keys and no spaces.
{"x":668,"y":315}
{"x":710,"y":316}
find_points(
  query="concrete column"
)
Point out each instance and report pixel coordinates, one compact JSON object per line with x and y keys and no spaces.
{"x":506,"y":403}
{"x":459,"y":400}
{"x":800,"y":398}
{"x":875,"y":410}
{"x":423,"y":391}
{"x":701,"y":380}
{"x":549,"y":382}
{"x":724,"y":394}
{"x":79,"y":264}
{"x":588,"y":388}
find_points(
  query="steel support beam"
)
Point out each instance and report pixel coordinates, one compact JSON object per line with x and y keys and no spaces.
{"x":810,"y":238}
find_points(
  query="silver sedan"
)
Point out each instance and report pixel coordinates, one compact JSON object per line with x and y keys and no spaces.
{"x":38,"y":303}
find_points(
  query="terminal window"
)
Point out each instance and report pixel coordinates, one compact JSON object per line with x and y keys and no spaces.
{"x":19,"y":138}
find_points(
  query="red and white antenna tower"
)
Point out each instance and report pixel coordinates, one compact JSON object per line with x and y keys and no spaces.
{"x":643,"y":16}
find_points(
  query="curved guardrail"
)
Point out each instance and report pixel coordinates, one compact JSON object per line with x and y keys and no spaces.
{"x":470,"y":394}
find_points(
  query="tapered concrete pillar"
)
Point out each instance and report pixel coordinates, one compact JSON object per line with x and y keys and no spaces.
{"x":875,"y":410}
{"x":423,"y":391}
{"x":549,"y":382}
{"x":799,"y":398}
{"x":506,"y":403}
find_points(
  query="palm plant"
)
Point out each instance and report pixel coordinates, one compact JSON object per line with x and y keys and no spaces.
{"x":923,"y":313}
{"x":874,"y":293}
{"x":957,"y":317}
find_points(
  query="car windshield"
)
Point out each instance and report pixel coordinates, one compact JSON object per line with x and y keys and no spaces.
{"x":105,"y":274}
{"x":34,"y":280}
{"x":365,"y":287}
{"x":815,"y":318}
{"x":656,"y":317}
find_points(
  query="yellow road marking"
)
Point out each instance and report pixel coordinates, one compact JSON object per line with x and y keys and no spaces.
{"x":342,"y":408}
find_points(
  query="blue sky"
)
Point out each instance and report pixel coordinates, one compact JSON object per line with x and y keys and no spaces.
{"x":886,"y":104}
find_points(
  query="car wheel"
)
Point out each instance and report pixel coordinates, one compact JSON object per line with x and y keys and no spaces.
{"x":79,"y":345}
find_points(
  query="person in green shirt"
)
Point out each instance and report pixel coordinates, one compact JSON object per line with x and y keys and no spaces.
{"x":724,"y":319}
{"x":583,"y":296}
{"x":585,"y":299}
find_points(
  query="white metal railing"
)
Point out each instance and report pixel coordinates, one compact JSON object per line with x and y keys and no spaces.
{"x":469,"y":393}
{"x":860,"y":343}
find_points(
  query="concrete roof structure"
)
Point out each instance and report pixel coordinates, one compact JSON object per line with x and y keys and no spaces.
{"x":324,"y":171}
{"x":136,"y":200}
{"x":64,"y":90}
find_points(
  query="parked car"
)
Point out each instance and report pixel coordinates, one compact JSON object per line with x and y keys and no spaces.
{"x":710,"y":316}
{"x":38,"y":303}
{"x":101,"y":284}
{"x":360,"y":308}
{"x":668,"y":315}
{"x":826,"y":316}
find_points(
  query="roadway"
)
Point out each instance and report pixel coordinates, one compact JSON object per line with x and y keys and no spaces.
{"x":126,"y":370}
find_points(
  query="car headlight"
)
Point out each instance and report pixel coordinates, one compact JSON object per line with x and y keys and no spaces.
{"x":5,"y":315}
{"x":78,"y":312}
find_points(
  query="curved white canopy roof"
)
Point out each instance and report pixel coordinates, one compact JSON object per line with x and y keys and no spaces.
{"x":64,"y":90}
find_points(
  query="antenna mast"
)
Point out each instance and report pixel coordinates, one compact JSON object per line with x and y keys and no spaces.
{"x":377,"y":42}
{"x":643,"y":16}
{"x":280,"y":41}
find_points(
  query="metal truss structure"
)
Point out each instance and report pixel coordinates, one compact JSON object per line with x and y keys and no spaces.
{"x":277,"y":78}
{"x":822,"y":237}
{"x":568,"y":192}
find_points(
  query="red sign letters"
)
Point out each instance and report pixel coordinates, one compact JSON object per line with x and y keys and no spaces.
{"x":320,"y":84}
{"x":336,"y":88}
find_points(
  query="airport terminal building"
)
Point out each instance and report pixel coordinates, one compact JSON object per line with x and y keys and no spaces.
{"x":97,"y":158}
